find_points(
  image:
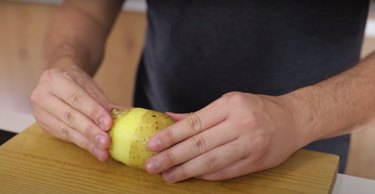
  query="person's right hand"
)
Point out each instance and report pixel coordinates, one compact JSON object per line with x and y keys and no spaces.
{"x":70,"y":106}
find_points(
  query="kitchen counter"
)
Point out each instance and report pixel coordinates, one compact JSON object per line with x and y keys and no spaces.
{"x":344,"y":184}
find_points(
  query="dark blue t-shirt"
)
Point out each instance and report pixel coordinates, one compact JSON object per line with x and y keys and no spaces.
{"x":198,"y":50}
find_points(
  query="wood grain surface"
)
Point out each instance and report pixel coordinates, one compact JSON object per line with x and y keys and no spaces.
{"x":34,"y":162}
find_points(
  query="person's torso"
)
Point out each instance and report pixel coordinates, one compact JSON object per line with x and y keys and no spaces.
{"x":197,"y":50}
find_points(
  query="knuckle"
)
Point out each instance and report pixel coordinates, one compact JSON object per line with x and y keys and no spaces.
{"x":89,"y":132}
{"x":200,"y":143}
{"x":37,"y":96}
{"x":170,"y":136}
{"x":65,"y":134}
{"x":95,"y":112}
{"x":34,"y":97}
{"x":194,"y":122}
{"x":233,"y":97}
{"x":237,"y":98}
{"x":69,"y":116}
{"x":213,"y":162}
{"x":75,"y":98}
{"x":68,"y":75}
{"x":47,"y":75}
{"x":181,"y":173}
{"x":261,"y":140}
{"x":230,"y":94}
{"x":170,"y":159}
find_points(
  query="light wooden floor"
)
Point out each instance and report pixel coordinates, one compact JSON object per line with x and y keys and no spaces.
{"x":22,"y":28}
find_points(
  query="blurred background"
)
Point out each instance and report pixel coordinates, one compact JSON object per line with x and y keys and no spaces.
{"x":23,"y":25}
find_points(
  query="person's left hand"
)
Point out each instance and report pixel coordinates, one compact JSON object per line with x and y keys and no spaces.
{"x":235,"y":135}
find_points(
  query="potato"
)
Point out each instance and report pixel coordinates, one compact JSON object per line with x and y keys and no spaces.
{"x":130,"y":132}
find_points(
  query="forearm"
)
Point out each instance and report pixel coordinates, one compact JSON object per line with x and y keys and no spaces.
{"x":78,"y":32}
{"x":337,"y":105}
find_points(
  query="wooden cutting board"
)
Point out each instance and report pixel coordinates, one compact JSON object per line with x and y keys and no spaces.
{"x":34,"y":162}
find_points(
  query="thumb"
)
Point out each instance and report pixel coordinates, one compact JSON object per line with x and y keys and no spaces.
{"x":177,"y":116}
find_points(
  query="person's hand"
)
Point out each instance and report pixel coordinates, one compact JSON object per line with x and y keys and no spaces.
{"x":70,"y":106}
{"x":237,"y":134}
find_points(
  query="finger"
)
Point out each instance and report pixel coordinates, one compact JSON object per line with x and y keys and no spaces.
{"x":211,"y":161}
{"x":177,"y":116}
{"x":119,"y":107}
{"x":253,"y":163}
{"x":191,"y":148}
{"x":192,"y":124}
{"x":77,"y":121}
{"x":92,"y":89}
{"x":79,"y":99}
{"x":60,"y":130}
{"x":239,"y":168}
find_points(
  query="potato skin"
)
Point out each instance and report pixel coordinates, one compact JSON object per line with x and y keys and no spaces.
{"x":131,"y":130}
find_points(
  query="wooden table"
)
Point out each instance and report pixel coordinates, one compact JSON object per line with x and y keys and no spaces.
{"x":34,"y":162}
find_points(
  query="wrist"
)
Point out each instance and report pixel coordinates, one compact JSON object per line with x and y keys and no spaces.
{"x":69,"y":56}
{"x":64,"y":63}
{"x":303,"y":116}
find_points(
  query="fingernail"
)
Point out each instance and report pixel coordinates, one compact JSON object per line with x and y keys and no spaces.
{"x":104,"y":123}
{"x":154,"y":144}
{"x":152,"y":166}
{"x":100,"y":139}
{"x":168,"y":176}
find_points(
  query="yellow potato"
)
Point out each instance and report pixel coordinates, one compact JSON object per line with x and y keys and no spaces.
{"x":130,"y":132}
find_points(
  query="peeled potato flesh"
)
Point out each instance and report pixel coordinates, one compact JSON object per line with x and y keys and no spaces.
{"x":130,"y":132}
